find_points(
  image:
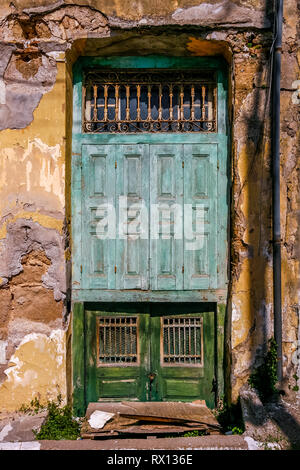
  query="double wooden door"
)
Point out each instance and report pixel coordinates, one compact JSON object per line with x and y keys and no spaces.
{"x":149,"y":216}
{"x":149,"y":352}
{"x":149,"y":224}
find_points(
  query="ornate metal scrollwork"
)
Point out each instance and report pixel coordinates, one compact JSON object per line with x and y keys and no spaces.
{"x":149,"y":101}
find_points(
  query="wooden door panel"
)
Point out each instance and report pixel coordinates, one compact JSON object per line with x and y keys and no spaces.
{"x":183,"y":381}
{"x":166,"y":199}
{"x":111,"y":374}
{"x":98,"y":248}
{"x":132,"y":197}
{"x":120,"y":383}
{"x":165,"y":236}
{"x":200,"y":221}
{"x":174,"y":390}
{"x":119,"y":389}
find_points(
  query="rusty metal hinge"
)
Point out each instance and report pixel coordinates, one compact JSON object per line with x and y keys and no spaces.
{"x":115,"y":269}
{"x":182,"y":164}
{"x":218,"y":166}
{"x":183,"y":269}
{"x":116,"y":164}
{"x":81,"y":268}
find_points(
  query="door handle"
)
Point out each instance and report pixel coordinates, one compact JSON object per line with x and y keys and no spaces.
{"x":151,"y":376}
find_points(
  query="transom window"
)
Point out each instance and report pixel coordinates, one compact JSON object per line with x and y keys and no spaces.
{"x":149,"y":101}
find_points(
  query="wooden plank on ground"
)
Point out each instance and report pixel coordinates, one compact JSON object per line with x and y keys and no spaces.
{"x":175,"y":411}
{"x":143,"y":418}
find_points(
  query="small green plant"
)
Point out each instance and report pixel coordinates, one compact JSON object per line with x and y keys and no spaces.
{"x":295,"y":388}
{"x":271,"y":442}
{"x":237,"y":430}
{"x":60,"y":422}
{"x":264,"y":378}
{"x":230,"y":417}
{"x":33,"y":408}
{"x":194,"y":433}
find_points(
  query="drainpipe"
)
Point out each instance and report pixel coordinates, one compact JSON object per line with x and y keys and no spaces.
{"x":276,"y":183}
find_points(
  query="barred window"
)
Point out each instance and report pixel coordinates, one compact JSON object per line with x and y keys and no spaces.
{"x":182,"y":341}
{"x":118,"y":340}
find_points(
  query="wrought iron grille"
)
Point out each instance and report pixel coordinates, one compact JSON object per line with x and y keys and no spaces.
{"x":182,"y":341}
{"x":118,"y":343}
{"x":149,"y":101}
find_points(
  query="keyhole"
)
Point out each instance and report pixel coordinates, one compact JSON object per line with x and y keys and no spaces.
{"x":151,"y":376}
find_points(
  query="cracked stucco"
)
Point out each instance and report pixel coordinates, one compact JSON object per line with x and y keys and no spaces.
{"x":36,"y":369}
{"x":24,"y":236}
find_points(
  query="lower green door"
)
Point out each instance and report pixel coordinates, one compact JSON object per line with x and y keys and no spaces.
{"x":150,"y":353}
{"x":182,"y":355}
{"x":117,"y":355}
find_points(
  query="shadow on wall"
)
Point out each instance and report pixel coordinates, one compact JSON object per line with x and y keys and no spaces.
{"x":273,"y":421}
{"x":255,"y":193}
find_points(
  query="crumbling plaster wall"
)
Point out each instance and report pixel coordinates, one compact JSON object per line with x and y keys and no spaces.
{"x":252,"y":277}
{"x":39,"y":42}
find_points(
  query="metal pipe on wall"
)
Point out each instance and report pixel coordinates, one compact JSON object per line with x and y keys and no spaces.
{"x":276,"y":72}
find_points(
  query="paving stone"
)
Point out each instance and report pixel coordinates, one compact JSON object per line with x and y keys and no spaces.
{"x":177,"y":443}
{"x":30,"y":446}
{"x":19,"y":427}
{"x":10,"y":446}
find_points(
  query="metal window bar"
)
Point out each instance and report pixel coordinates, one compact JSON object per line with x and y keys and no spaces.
{"x":182,"y":341}
{"x":149,"y":101}
{"x":117,"y":340}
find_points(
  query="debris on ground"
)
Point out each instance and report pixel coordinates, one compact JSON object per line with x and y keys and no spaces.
{"x":99,"y":418}
{"x":148,"y":418}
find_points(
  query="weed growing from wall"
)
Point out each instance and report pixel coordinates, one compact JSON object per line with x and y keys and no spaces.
{"x":264,"y":378}
{"x":295,"y":388}
{"x":33,"y":408}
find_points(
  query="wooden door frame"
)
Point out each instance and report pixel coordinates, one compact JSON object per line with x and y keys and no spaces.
{"x":79,"y":337}
{"x":80,"y":297}
{"x":220,"y":138}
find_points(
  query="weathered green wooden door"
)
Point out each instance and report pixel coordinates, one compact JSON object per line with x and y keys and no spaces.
{"x":140,"y":207}
{"x":182,"y":355}
{"x":117,"y":355}
{"x":149,"y":225}
{"x":113,"y":260}
{"x":135,"y":354}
